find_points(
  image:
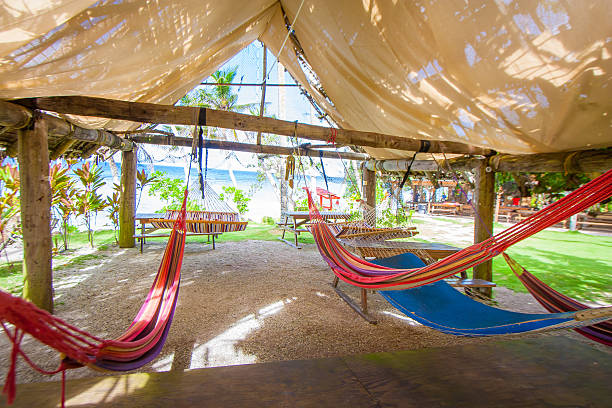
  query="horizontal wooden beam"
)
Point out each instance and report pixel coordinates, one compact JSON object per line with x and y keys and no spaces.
{"x":583,"y":161}
{"x":246,"y":147}
{"x":457,"y":164}
{"x":186,"y":115}
{"x":18,"y":117}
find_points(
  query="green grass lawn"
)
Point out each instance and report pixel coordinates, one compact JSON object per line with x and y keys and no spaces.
{"x":576,"y":264}
{"x":11,"y":278}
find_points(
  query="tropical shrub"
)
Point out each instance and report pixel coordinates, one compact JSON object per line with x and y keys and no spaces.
{"x":89,"y":202}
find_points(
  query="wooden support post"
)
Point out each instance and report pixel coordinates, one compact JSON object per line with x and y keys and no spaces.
{"x":483,"y":221}
{"x":35,"y":192}
{"x":369,"y":188}
{"x":127,"y":206}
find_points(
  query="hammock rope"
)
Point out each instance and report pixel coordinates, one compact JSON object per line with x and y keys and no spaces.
{"x":137,"y":346}
{"x":359,"y":272}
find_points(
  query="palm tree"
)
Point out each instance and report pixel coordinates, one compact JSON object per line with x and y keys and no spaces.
{"x":221,"y":97}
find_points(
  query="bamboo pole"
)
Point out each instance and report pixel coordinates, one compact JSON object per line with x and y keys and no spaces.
{"x":16,"y":117}
{"x":62,"y":148}
{"x":247,"y":147}
{"x":483,"y":220}
{"x":35,"y":199}
{"x":127,"y":205}
{"x":585,"y":161}
{"x":186,"y":115}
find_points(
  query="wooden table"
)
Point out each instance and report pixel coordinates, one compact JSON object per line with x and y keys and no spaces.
{"x":383,"y":249}
{"x":147,"y":218}
{"x":293,"y":221}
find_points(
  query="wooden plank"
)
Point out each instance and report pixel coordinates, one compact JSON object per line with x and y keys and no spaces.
{"x":35,"y":201}
{"x":246,"y":147}
{"x":553,"y":371}
{"x":378,"y":249}
{"x":470,"y":283}
{"x":550,"y":371}
{"x":185,"y":115}
{"x":127,"y":205}
{"x":306,"y":383}
{"x":295,"y":245}
{"x":363,"y":313}
{"x":483,"y":223}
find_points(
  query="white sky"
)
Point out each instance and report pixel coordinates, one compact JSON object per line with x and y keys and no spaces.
{"x":250,"y":70}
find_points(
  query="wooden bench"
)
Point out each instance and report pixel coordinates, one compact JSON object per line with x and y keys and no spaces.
{"x":445,"y":208}
{"x":142,"y":237}
{"x":145,"y":232}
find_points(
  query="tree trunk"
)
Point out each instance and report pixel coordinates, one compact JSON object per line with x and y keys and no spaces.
{"x":35,"y":193}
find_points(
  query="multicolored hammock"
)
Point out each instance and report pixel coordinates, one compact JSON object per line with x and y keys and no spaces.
{"x":141,"y":342}
{"x":359,"y":272}
{"x":441,"y":307}
{"x":554,"y":302}
{"x":204,"y":222}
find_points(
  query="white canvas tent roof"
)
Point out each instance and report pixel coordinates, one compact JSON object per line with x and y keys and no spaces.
{"x":517,"y":76}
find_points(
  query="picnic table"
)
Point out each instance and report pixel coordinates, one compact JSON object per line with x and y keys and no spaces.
{"x":148,"y":218}
{"x":293,"y":222}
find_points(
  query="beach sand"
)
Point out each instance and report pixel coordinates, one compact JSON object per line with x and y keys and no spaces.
{"x":245,"y":302}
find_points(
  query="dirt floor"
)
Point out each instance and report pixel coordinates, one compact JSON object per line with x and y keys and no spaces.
{"x":245,"y":302}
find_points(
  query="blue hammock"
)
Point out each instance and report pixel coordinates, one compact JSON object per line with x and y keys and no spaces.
{"x":441,"y":307}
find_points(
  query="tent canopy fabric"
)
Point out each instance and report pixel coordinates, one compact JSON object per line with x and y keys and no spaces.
{"x":516,"y":76}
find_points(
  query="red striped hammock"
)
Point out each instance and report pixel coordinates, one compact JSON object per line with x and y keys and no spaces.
{"x":359,"y":272}
{"x":137,"y":346}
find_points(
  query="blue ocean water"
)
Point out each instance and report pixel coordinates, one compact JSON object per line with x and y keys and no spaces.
{"x":264,"y":201}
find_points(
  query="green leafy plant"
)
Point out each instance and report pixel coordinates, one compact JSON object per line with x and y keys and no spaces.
{"x":142,"y":180}
{"x":238,"y":197}
{"x":63,"y":197}
{"x":10,"y":227}
{"x":268,"y":220}
{"x":113,"y":203}
{"x":89,"y":202}
{"x":170,"y":190}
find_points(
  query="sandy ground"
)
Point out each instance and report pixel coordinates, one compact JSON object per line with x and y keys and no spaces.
{"x":245,"y":302}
